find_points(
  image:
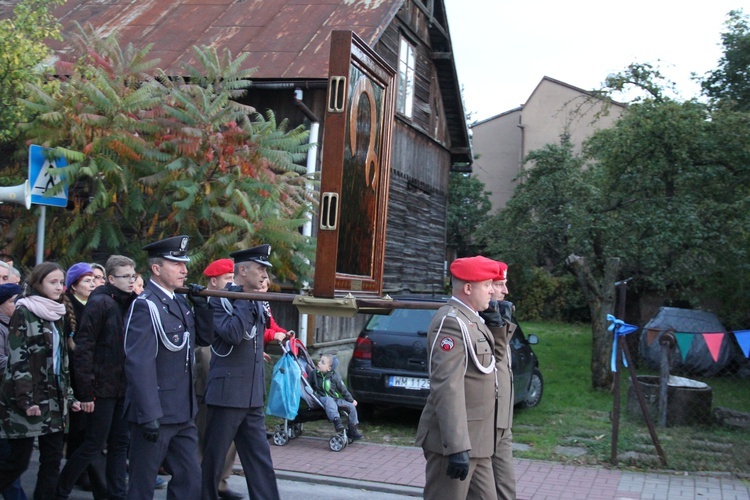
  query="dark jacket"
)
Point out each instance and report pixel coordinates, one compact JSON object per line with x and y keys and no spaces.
{"x":330,"y":384}
{"x":236,"y":378}
{"x":160,"y":379}
{"x":99,"y":356}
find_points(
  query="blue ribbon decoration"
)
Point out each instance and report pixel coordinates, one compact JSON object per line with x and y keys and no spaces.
{"x":619,"y":328}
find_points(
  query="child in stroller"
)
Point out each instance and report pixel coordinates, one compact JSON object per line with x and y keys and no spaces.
{"x":333,"y":394}
{"x":310,"y":407}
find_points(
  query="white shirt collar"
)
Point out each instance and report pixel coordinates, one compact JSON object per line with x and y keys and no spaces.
{"x":167,"y":292}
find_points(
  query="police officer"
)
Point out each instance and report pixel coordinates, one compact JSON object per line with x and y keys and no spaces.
{"x":457,"y":426}
{"x":160,"y":333}
{"x":235,"y":388}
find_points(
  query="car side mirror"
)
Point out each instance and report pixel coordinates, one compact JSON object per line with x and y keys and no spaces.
{"x":532,"y":339}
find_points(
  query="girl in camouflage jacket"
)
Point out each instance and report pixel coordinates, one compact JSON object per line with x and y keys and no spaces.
{"x":36,"y":391}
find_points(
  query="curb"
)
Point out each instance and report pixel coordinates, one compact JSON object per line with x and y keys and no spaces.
{"x":359,"y":484}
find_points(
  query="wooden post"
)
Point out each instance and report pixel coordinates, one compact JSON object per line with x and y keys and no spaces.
{"x":620,"y":287}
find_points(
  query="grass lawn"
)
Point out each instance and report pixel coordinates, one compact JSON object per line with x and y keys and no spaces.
{"x":573,"y":424}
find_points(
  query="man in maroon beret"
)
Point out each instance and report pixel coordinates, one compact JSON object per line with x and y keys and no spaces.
{"x":457,"y":426}
{"x":498,"y":318}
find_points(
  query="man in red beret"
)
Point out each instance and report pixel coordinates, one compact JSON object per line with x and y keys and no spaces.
{"x":498,"y":318}
{"x":457,"y":426}
{"x":220,"y":273}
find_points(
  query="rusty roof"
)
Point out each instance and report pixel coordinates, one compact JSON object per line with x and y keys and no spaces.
{"x":286,"y":39}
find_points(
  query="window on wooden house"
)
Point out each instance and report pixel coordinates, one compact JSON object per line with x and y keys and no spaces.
{"x":406,"y":64}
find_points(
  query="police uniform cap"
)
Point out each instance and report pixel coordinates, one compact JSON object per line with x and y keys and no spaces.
{"x":477,"y":268}
{"x":174,"y":248}
{"x":257,"y":254}
{"x":219,"y":268}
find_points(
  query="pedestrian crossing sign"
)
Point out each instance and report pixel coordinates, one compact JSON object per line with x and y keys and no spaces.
{"x":43,"y":178}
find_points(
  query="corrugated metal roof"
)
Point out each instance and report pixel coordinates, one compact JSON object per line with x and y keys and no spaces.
{"x":286,"y":39}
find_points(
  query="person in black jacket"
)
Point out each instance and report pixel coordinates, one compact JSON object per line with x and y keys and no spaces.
{"x":100,"y":378}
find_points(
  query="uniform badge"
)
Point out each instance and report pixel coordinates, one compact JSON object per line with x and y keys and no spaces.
{"x":175,"y":338}
{"x":447,"y":344}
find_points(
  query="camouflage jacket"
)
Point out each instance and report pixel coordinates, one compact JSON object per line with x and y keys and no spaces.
{"x":30,"y":378}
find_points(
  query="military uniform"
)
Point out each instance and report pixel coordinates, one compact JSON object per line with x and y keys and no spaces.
{"x":235,"y":393}
{"x":160,"y":334}
{"x":460,"y":410}
{"x":502,"y":459}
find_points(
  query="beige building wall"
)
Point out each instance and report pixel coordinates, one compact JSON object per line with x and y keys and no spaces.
{"x":553,"y":109}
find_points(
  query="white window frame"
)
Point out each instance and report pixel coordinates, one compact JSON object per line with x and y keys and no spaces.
{"x":406,"y":73}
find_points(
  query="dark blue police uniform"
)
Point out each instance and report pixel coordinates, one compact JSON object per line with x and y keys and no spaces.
{"x":235,"y":391}
{"x":160,"y":334}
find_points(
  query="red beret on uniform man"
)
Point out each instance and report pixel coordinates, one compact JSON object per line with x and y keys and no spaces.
{"x":219,"y":267}
{"x":477,"y":268}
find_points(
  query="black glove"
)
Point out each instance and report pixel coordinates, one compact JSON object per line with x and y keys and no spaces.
{"x":491,"y":316}
{"x":235,"y":288}
{"x":151,"y":430}
{"x":458,"y":465}
{"x":199,"y":302}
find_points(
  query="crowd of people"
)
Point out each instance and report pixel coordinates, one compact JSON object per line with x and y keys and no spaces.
{"x":93,"y":359}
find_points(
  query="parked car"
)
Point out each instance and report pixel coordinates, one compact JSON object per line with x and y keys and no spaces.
{"x":389,"y":362}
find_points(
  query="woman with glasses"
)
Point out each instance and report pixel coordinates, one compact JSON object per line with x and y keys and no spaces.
{"x":100,"y":274}
{"x":99,"y":363}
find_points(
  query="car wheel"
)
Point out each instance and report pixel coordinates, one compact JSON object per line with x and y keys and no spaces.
{"x":536,"y":388}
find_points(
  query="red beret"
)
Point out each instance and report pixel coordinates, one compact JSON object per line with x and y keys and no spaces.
{"x":474,"y":269}
{"x":502,"y":271}
{"x":219,"y":267}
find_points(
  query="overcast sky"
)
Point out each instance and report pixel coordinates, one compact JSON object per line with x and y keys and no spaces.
{"x":503,"y":48}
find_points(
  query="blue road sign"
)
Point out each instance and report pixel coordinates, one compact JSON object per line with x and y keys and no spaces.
{"x":42,"y":178}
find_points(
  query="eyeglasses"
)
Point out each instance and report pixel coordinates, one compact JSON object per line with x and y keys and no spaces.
{"x":98,"y":277}
{"x":129,"y":277}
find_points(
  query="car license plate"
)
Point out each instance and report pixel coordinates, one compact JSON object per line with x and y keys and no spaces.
{"x":408,"y":382}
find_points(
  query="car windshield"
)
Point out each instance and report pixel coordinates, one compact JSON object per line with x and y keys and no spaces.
{"x":402,"y":320}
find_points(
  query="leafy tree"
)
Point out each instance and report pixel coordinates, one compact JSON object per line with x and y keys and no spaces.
{"x":662,"y":196}
{"x":22,"y":52}
{"x":468,"y":206}
{"x":729,"y":84}
{"x":153,"y":156}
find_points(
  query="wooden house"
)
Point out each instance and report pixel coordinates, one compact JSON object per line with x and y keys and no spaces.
{"x":288,"y":42}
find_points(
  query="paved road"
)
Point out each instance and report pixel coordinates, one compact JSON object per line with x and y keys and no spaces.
{"x":289,"y":489}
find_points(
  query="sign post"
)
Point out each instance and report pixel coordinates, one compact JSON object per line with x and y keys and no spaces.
{"x":42,"y":178}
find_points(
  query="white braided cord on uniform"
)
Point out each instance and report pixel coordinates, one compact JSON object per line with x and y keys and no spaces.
{"x":468,"y":348}
{"x":158,"y":330}
{"x":229,"y":309}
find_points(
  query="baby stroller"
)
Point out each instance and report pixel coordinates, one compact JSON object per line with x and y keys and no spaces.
{"x":310,"y":408}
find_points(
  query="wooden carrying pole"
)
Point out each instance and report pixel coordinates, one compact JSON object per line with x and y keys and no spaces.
{"x":364,"y":305}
